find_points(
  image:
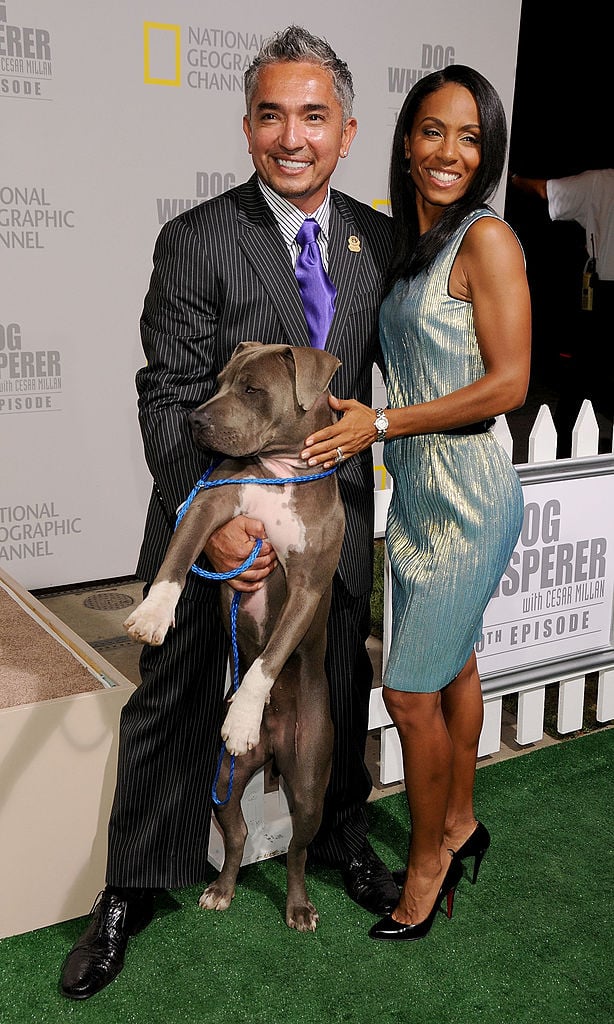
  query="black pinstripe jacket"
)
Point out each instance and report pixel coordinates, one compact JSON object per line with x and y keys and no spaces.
{"x":222,"y":274}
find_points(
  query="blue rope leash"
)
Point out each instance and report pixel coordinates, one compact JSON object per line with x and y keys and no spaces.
{"x":204,"y":484}
{"x":234,"y":608}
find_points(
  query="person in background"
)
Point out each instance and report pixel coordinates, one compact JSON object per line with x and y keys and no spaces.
{"x":455,"y":329}
{"x":588,"y":199}
{"x":224,"y":273}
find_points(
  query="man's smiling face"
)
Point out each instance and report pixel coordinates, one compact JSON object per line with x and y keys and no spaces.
{"x":295,"y":131}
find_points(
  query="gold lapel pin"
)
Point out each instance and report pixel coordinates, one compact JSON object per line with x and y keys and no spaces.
{"x":354,"y":243}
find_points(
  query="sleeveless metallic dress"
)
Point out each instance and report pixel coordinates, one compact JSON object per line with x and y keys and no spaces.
{"x":457,"y":504}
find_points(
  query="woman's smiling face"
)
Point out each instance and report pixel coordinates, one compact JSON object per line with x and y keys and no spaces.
{"x":443,"y":147}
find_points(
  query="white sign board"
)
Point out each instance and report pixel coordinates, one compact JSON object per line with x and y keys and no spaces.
{"x":553,"y":608}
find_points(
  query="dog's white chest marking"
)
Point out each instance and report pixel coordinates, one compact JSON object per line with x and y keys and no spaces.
{"x":285,"y":528}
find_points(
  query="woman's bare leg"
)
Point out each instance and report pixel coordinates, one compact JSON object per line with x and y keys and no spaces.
{"x":463,"y":711}
{"x":427,"y":762}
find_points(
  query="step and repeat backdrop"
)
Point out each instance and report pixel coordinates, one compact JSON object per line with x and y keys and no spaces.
{"x":114,"y":118}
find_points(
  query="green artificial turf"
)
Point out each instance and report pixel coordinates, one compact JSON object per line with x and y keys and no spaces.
{"x":531,"y":942}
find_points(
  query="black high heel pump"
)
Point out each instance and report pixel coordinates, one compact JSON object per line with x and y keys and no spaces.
{"x":391,"y":930}
{"x":475,"y":846}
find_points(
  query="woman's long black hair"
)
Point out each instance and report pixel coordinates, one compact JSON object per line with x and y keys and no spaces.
{"x":412,"y":252}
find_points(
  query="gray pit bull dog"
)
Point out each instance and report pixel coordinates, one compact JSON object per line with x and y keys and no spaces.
{"x":269,"y":399}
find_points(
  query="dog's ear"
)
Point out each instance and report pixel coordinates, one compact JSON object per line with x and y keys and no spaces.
{"x":245,"y":346}
{"x":314,"y":369}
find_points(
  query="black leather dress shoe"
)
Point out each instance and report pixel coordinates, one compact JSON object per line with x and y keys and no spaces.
{"x":98,"y":956}
{"x":369,"y":883}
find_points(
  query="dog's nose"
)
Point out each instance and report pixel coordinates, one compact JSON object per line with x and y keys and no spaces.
{"x":198,"y":418}
{"x":200,"y":424}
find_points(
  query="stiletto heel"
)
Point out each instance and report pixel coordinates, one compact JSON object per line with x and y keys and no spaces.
{"x":475,"y":846}
{"x":450,"y":902}
{"x":476,"y":865}
{"x":391,"y":930}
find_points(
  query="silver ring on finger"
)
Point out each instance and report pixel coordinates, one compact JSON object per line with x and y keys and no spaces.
{"x":339,"y":455}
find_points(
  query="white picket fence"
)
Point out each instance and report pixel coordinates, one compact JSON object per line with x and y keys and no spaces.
{"x":530,"y":697}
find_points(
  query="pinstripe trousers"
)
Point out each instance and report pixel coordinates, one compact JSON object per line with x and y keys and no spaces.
{"x":170,"y":742}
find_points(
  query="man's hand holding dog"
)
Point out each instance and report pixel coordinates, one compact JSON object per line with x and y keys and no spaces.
{"x":229,"y":546}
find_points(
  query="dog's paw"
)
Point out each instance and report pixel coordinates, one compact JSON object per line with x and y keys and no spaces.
{"x":151,"y":620}
{"x":146,"y":627}
{"x":216,"y":897}
{"x":302,"y":916}
{"x":241,"y":727}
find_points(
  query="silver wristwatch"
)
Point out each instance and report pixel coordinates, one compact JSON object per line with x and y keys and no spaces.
{"x":381,"y":424}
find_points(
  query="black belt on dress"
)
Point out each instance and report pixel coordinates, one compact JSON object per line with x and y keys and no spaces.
{"x":473,"y":428}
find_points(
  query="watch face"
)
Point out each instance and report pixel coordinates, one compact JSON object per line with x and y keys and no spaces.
{"x":381,"y":425}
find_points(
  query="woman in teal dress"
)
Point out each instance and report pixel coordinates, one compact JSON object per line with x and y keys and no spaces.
{"x":455,"y":334}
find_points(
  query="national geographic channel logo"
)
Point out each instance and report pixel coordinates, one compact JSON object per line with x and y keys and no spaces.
{"x":434,"y":57}
{"x":28,"y":531}
{"x":26,"y":215}
{"x":213,"y":59}
{"x":30,"y":379}
{"x":25,"y":60}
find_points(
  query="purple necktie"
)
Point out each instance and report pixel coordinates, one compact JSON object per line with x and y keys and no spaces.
{"x":317,"y":290}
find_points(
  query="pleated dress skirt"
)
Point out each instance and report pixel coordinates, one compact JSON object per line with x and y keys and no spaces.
{"x":454,"y":519}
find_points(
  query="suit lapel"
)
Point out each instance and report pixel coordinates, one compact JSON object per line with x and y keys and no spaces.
{"x":344,"y":265}
{"x":264,"y":248}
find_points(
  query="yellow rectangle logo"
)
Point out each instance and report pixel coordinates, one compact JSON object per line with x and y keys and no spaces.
{"x":162,"y":53}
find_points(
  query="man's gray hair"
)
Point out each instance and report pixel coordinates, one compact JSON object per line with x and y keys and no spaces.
{"x":297,"y":44}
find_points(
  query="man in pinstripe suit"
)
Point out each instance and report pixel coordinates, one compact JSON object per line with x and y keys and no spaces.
{"x":223,"y":273}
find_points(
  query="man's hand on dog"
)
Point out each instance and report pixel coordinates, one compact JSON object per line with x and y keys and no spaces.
{"x":229,"y":546}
